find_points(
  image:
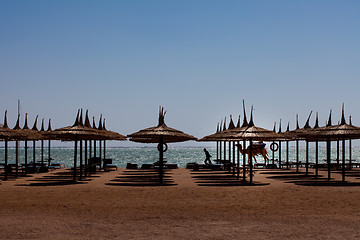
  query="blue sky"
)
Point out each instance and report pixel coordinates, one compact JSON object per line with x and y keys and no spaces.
{"x":198,"y":59}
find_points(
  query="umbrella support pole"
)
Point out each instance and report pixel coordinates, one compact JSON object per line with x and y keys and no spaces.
{"x":42,"y":153}
{"x":280,"y":165}
{"x":100,"y":155}
{"x":94,"y":148}
{"x":6,"y":160}
{"x":244,"y":161}
{"x":224,"y":152}
{"x":75,"y":160}
{"x":343,"y":160}
{"x":104,"y":149}
{"x":273,"y":155}
{"x":17,"y":159}
{"x":307,"y":158}
{"x":81,"y":160}
{"x":238,"y":161}
{"x":233,"y":156}
{"x":287,"y":154}
{"x":338,"y":152}
{"x":49,"y":151}
{"x":297,"y":155}
{"x":161,"y":161}
{"x":220,"y":152}
{"x":350,"y":154}
{"x":86,"y":159}
{"x":250,"y":156}
{"x":328,"y":153}
{"x":34,"y":156}
{"x":26,"y":155}
{"x":316,"y":158}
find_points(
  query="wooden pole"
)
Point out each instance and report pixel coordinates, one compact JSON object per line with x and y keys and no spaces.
{"x":100,"y":154}
{"x":287,"y":154}
{"x":75,"y":160}
{"x":104,"y":149}
{"x":307,"y":157}
{"x":161,"y":160}
{"x":273,"y":155}
{"x":86,"y":159}
{"x":34,"y":156}
{"x":94,"y":148}
{"x":350,"y":154}
{"x":316,"y":158}
{"x":338,"y":152}
{"x":26,"y":156}
{"x":250,"y":156}
{"x":233,"y":155}
{"x":17,"y":159}
{"x":49,"y":151}
{"x":328,"y":157}
{"x":280,"y":154}
{"x":6,"y":160}
{"x":238,"y":161}
{"x":343,"y":160}
{"x":244,"y":160}
{"x":42,"y":153}
{"x":217,"y":150}
{"x":297,"y":155}
{"x":220,"y":151}
{"x":81,"y":159}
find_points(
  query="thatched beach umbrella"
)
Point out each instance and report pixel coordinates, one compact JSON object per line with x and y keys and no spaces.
{"x":341,"y":132}
{"x":252,"y":133}
{"x":161,"y":134}
{"x":300,"y":134}
{"x":7,"y":134}
{"x":76,"y":132}
{"x":318,"y":135}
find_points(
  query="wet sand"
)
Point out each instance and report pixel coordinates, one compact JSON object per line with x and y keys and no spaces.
{"x":200,"y":205}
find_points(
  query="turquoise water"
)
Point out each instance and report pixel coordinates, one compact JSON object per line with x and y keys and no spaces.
{"x":178,"y":155}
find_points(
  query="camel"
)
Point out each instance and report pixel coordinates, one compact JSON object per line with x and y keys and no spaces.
{"x":255,"y":151}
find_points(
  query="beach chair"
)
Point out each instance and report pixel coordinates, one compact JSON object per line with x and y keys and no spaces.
{"x":108,"y":164}
{"x":131,"y":166}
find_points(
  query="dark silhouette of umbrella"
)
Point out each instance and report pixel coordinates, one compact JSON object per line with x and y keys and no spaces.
{"x":301,"y":134}
{"x":76,"y":132}
{"x":7,"y":135}
{"x":253,"y":132}
{"x":341,"y":132}
{"x":160,"y":134}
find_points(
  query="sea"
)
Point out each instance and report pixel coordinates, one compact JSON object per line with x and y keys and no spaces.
{"x":175,"y":155}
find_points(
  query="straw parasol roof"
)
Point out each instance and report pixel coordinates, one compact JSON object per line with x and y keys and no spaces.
{"x":106,"y":134}
{"x":256,"y":133}
{"x":337,"y":132}
{"x":300,"y":133}
{"x":153,"y":134}
{"x":228,"y":133}
{"x":26,"y":133}
{"x":75,"y":132}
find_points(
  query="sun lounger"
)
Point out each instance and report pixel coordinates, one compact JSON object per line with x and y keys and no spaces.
{"x":131,"y":166}
{"x":108,"y":165}
{"x":147,"y":166}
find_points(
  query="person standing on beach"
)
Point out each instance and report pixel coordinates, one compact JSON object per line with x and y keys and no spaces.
{"x":207,"y":157}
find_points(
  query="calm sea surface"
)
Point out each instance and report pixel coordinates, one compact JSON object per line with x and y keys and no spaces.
{"x":178,"y":155}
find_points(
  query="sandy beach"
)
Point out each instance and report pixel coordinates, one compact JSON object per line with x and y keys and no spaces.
{"x":190,"y":209}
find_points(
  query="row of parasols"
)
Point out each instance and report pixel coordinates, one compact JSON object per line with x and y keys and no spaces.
{"x":162,"y":134}
{"x":249,"y":132}
{"x":83,"y":131}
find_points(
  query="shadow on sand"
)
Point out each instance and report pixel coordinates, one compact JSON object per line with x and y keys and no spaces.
{"x":220,"y":179}
{"x":60,"y":178}
{"x":142,"y":178}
